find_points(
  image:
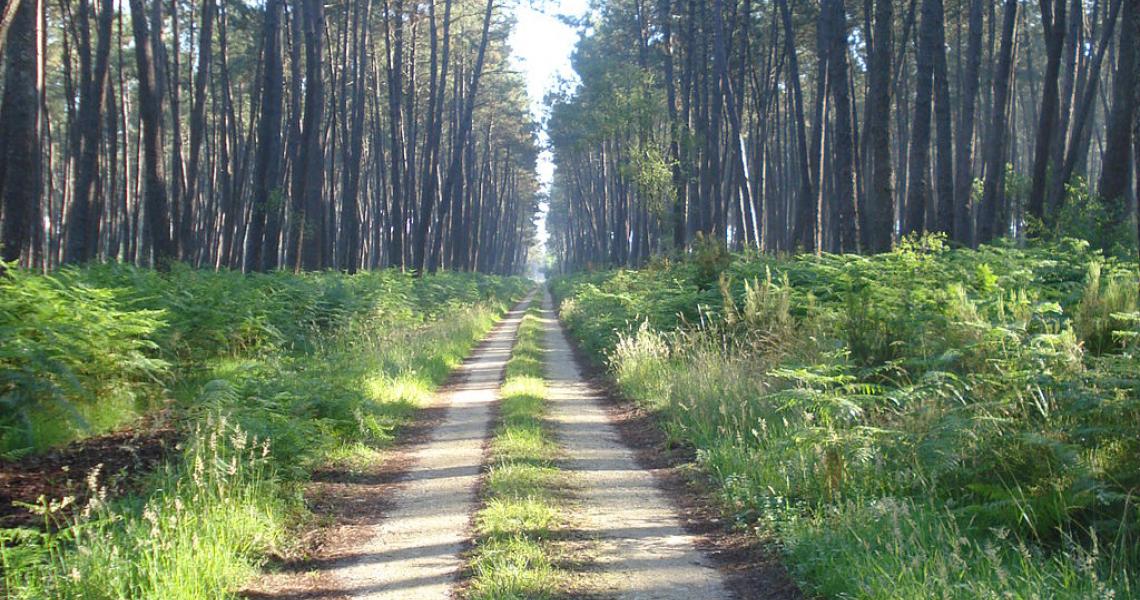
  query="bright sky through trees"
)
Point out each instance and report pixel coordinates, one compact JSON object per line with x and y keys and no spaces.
{"x":542,"y":45}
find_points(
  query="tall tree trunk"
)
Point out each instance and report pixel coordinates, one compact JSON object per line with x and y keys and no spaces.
{"x":83,"y":216}
{"x":880,"y":208}
{"x":808,"y":230}
{"x":454,"y":172}
{"x":964,"y":182}
{"x":168,"y":84}
{"x":431,"y":192}
{"x":394,"y":28}
{"x":1114,"y":177}
{"x":806,"y":197}
{"x":1082,"y":114}
{"x":150,"y":112}
{"x":680,"y":186}
{"x":992,"y":191}
{"x":355,"y":148}
{"x":311,"y":163}
{"x":198,"y":119}
{"x":848,"y":218}
{"x":20,"y":132}
{"x":737,"y":144}
{"x":944,"y":161}
{"x":918,"y":180}
{"x":1053,"y":22}
{"x":267,"y":164}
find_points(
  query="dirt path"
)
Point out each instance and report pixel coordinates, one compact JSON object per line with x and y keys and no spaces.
{"x":415,"y":551}
{"x":643,"y":551}
{"x":408,"y":534}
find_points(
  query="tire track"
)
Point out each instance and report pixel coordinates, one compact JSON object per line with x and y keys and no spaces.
{"x":642,"y":549}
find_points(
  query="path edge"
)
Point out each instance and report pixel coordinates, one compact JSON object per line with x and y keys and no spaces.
{"x":751,"y":563}
{"x":308,"y":576}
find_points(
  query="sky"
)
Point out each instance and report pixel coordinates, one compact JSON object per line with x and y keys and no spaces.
{"x":542,"y":45}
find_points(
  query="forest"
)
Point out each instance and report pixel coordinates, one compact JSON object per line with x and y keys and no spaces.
{"x":725,"y":299}
{"x":265,"y":136}
{"x":838,"y":126}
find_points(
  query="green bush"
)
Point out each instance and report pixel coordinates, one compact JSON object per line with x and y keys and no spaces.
{"x":89,"y":349}
{"x":75,"y":359}
{"x":988,"y":390}
{"x":268,"y":375}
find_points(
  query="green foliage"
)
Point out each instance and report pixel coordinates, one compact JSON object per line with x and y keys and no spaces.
{"x":1103,"y":319}
{"x":200,"y":535}
{"x":1083,"y":215}
{"x":87,"y":350}
{"x":980,"y":390}
{"x":270,"y":375}
{"x":75,"y":358}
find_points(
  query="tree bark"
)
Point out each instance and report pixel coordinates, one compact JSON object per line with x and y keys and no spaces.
{"x":847,"y":214}
{"x":454,"y":171}
{"x":394,"y":28}
{"x":150,"y":113}
{"x":1115,"y":174}
{"x":20,"y":132}
{"x":1053,"y":22}
{"x":964,"y":182}
{"x":311,"y":163}
{"x":944,"y":161}
{"x":808,"y":228}
{"x":8,"y":11}
{"x":355,"y":148}
{"x":267,"y":164}
{"x":198,"y":119}
{"x":880,"y":208}
{"x":83,"y":216}
{"x":918,"y":180}
{"x":995,"y":147}
{"x":665,"y":10}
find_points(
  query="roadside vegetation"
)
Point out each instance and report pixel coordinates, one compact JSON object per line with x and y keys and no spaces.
{"x":264,"y":377}
{"x":513,"y":557}
{"x":926,"y":423}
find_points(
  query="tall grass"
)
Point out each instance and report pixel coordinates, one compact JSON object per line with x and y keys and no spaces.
{"x":269,"y":375}
{"x":200,"y":535}
{"x":927,"y":423}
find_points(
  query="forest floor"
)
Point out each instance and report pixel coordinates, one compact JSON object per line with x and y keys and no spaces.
{"x":116,"y":462}
{"x":640,"y":528}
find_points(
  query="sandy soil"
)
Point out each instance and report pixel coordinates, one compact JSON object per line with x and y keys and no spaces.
{"x":415,"y":552}
{"x":642,"y":550}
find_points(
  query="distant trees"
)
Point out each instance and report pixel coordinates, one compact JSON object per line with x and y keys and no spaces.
{"x":839,"y":126}
{"x":1114,"y":177}
{"x":300,"y":134}
{"x":356,"y":134}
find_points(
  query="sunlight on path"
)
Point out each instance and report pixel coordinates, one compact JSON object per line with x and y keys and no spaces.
{"x":643,"y":551}
{"x":414,"y":552}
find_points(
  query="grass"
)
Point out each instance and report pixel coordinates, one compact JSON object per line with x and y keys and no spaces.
{"x":319,"y":368}
{"x":521,"y":512}
{"x":929,"y":423}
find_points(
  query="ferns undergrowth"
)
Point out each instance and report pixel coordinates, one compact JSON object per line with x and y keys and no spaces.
{"x":929,"y":423}
{"x":267,"y":376}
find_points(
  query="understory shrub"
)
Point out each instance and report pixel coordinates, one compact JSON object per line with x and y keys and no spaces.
{"x":266,"y":376}
{"x":893,"y":417}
